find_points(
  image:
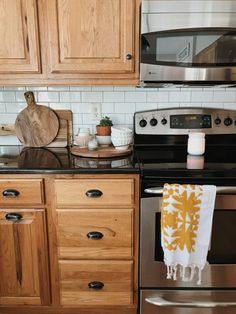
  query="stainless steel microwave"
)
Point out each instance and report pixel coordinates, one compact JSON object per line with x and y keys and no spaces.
{"x":188,"y":42}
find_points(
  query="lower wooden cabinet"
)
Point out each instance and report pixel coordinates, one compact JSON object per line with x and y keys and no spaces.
{"x":96,"y":282}
{"x":24,"y":277}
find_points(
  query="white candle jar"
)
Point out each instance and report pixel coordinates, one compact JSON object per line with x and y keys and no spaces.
{"x":196,"y":143}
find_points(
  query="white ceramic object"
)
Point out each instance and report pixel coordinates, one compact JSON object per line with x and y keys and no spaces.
{"x":196,"y":143}
{"x":121,"y":142}
{"x":120,"y":130}
{"x":83,"y":137}
{"x":103,"y":140}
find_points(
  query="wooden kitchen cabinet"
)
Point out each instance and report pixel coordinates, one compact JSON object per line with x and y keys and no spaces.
{"x":68,"y":42}
{"x":23,"y":257}
{"x":91,"y":36}
{"x":19,"y":51}
{"x":71,"y":252}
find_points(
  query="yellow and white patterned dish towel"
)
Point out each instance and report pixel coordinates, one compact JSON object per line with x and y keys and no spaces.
{"x":186,"y":222}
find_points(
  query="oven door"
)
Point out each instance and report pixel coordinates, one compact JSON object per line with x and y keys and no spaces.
{"x":220,"y":270}
{"x":188,"y":302}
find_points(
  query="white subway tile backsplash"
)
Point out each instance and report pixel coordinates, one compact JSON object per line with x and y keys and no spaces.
{"x":91,"y":96}
{"x":7,"y":96}
{"x":124,"y":107}
{"x":158,"y":96}
{"x":113,"y":97}
{"x":135,"y":96}
{"x":118,"y":102}
{"x":223,"y":96}
{"x":48,"y":97}
{"x":181,"y":96}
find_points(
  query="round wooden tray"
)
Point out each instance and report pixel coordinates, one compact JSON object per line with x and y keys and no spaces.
{"x":101,"y":152}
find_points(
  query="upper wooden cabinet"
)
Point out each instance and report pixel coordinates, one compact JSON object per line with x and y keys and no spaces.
{"x":19,"y":50}
{"x":69,"y":42}
{"x":91,"y":36}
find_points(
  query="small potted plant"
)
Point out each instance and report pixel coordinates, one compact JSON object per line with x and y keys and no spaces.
{"x":104,"y":126}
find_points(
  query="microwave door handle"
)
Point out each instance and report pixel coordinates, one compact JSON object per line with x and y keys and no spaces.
{"x":159,"y":301}
{"x":219,"y":190}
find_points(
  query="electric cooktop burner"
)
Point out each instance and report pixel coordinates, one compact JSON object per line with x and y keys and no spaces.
{"x":161,"y":147}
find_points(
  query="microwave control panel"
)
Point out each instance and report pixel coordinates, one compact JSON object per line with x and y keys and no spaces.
{"x":185,"y":120}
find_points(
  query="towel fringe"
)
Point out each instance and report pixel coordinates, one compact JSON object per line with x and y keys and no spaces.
{"x":186,"y":273}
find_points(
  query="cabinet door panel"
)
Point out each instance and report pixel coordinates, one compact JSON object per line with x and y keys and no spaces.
{"x":91,"y":36}
{"x":19,"y":49}
{"x":23,"y":258}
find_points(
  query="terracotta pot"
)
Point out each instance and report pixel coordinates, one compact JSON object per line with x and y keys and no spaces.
{"x":103,"y":130}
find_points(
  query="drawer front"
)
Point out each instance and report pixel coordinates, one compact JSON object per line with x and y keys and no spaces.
{"x":95,"y":233}
{"x":95,"y":192}
{"x":114,"y":278}
{"x":19,"y":191}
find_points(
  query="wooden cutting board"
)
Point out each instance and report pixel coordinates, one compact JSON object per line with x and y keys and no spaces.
{"x":61,"y":140}
{"x":67,"y":115}
{"x":103,"y":152}
{"x":36,"y":125}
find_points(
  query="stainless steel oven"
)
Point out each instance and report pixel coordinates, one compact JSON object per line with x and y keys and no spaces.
{"x":161,"y":153}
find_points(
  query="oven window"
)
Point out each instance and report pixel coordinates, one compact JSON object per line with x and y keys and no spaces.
{"x":198,"y":47}
{"x":223,"y":244}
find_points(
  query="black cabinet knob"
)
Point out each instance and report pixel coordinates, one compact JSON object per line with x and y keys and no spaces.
{"x":94,"y":193}
{"x":13,"y":216}
{"x":10,"y":193}
{"x":94,"y":235}
{"x":96,"y":285}
{"x":128,"y":56}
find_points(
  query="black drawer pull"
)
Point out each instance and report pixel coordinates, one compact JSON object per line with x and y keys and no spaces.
{"x":94,"y":193}
{"x":96,"y":285}
{"x":10,"y":193}
{"x":13,"y":216}
{"x":95,"y":235}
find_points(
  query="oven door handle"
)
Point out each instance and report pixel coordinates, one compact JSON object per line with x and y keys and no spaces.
{"x":159,"y":301}
{"x":219,"y":190}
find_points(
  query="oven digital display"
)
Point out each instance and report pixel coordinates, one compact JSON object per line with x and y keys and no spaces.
{"x":190,"y":121}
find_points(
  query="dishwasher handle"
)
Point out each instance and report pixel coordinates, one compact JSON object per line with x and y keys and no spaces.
{"x":219,"y":190}
{"x":162,"y":302}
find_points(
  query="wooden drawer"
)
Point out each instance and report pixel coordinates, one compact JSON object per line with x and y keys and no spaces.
{"x":28,"y":191}
{"x":113,"y":238}
{"x":113,"y":192}
{"x":115,"y":275}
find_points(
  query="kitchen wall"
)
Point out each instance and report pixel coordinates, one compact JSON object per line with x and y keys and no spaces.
{"x":119,"y":103}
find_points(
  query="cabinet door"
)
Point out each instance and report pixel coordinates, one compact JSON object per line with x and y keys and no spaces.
{"x":91,"y":36}
{"x":23,"y":258}
{"x":19,"y":49}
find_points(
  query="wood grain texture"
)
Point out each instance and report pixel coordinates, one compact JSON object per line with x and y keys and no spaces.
{"x":36,"y":125}
{"x":61,"y":140}
{"x":117,"y":277}
{"x":7,"y":129}
{"x":106,"y":41}
{"x":115,"y":226}
{"x":68,"y":116}
{"x":22,"y":250}
{"x":101,"y":152}
{"x":114,"y":192}
{"x":30,"y":191}
{"x":19,"y":51}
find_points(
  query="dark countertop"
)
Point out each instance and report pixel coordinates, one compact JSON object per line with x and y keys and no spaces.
{"x":19,"y":160}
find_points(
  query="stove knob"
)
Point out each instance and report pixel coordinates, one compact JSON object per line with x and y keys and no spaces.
{"x":228,"y":121}
{"x":217,"y":121}
{"x":163,"y":121}
{"x":153,"y":121}
{"x":143,"y":123}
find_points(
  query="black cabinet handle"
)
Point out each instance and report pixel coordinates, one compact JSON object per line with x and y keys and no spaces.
{"x":95,"y":235}
{"x":128,"y":56}
{"x":94,"y":193}
{"x":13,"y":216}
{"x":96,"y":285}
{"x":10,"y":193}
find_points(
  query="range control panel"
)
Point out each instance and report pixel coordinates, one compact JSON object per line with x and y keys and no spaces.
{"x":176,"y":121}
